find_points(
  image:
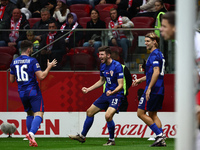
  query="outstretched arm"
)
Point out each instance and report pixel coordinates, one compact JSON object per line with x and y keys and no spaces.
{"x":94,"y":86}
{"x":138,"y":81}
{"x":42,"y":74}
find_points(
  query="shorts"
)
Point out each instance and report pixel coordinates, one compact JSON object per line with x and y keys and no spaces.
{"x":153,"y":104}
{"x":34,"y":103}
{"x":103,"y":102}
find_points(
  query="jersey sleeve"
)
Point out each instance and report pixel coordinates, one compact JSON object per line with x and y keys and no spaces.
{"x":36,"y":65}
{"x":119,"y":71}
{"x":156,"y":61}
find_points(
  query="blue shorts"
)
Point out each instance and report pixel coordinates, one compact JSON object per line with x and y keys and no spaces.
{"x":103,"y":102}
{"x":153,"y":104}
{"x":34,"y":103}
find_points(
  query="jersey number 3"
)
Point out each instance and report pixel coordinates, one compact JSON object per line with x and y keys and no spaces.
{"x":21,"y":74}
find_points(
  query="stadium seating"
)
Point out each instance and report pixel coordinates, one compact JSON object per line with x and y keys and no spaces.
{"x":104,"y":14}
{"x":5,"y":60}
{"x":143,"y":22}
{"x":83,"y":21}
{"x":81,"y":58}
{"x":78,"y":7}
{"x":32,"y":21}
{"x":107,"y":20}
{"x":81,"y":10}
{"x":107,"y":7}
{"x":9,"y":50}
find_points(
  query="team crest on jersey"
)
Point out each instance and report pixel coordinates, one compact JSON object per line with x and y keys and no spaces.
{"x":37,"y":65}
{"x":111,"y":72}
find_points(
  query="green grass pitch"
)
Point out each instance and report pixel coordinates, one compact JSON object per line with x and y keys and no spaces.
{"x":90,"y":144}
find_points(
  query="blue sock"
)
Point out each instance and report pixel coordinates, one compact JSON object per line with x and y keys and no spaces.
{"x":155,"y":129}
{"x":111,"y":129}
{"x":29,"y":120}
{"x":87,"y":124}
{"x":161,"y":130}
{"x":35,"y":124}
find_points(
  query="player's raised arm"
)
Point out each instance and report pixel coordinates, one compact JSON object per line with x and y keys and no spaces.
{"x":42,"y":74}
{"x":98,"y":84}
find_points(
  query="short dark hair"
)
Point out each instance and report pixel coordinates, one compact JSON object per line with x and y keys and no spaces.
{"x":105,"y":48}
{"x":25,"y":45}
{"x":170,"y":17}
{"x":94,"y":10}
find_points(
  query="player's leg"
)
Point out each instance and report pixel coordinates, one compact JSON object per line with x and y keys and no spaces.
{"x":29,"y":119}
{"x":91,"y":111}
{"x":38,"y":109}
{"x":155,"y":118}
{"x":89,"y":119}
{"x":111,"y":125}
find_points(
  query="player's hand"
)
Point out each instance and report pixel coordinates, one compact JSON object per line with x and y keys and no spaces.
{"x":53,"y":63}
{"x":85,"y":90}
{"x":148,"y":94}
{"x":136,"y":82}
{"x":108,"y":93}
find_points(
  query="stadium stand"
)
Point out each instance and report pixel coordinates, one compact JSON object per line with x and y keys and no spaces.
{"x":5,"y":60}
{"x":81,"y":10}
{"x":32,"y":21}
{"x":83,"y":21}
{"x":9,"y":50}
{"x":105,"y":7}
{"x":104,"y":14}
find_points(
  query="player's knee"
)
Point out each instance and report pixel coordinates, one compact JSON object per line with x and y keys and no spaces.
{"x":89,"y":113}
{"x":108,"y":117}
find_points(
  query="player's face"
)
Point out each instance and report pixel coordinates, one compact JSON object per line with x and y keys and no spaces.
{"x":103,"y":57}
{"x":149,"y":43}
{"x":113,"y":15}
{"x":167,"y":30}
{"x":31,"y":51}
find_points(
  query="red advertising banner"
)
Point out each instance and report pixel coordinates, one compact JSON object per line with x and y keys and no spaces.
{"x":62,"y":92}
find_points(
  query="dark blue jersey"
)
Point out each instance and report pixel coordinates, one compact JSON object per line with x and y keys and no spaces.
{"x":112,"y":73}
{"x":24,"y":68}
{"x":156,"y":59}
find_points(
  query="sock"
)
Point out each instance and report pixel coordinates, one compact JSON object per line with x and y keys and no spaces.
{"x":111,"y":129}
{"x":161,"y":130}
{"x":87,"y":124}
{"x":29,"y":120}
{"x":155,"y":129}
{"x":35,"y":124}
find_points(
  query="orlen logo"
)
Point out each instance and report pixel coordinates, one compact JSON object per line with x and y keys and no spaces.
{"x":139,"y":130}
{"x":49,"y":126}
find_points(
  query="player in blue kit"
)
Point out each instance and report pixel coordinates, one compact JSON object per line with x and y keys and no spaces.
{"x":25,"y":69}
{"x":111,"y":71}
{"x":152,"y":98}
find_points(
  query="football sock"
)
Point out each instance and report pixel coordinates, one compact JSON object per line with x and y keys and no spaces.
{"x":161,"y":130}
{"x":155,"y":129}
{"x":111,"y":129}
{"x":35,"y":124}
{"x":87,"y":124}
{"x":29,"y":120}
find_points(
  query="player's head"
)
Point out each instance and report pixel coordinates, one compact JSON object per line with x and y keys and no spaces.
{"x":168,"y":28}
{"x":151,"y":41}
{"x":26,"y":47}
{"x":104,"y":54}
